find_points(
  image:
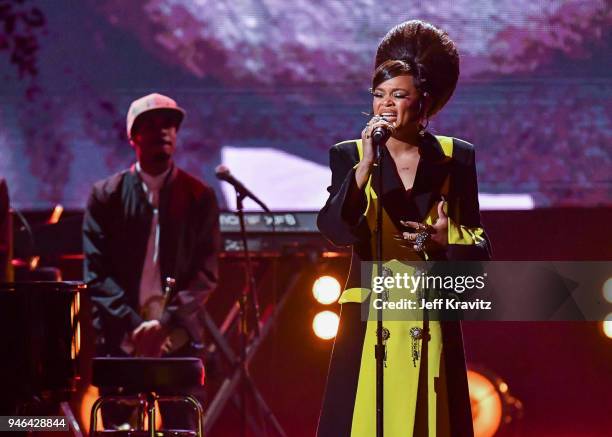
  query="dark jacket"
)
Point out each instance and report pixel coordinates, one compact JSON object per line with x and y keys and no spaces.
{"x":115,"y":234}
{"x":343,"y":222}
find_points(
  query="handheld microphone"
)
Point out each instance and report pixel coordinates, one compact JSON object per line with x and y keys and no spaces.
{"x":223,"y":174}
{"x":380,"y":135}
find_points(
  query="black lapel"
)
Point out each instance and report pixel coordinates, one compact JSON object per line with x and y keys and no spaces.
{"x":432,"y":170}
{"x":434,"y":167}
{"x":395,"y":199}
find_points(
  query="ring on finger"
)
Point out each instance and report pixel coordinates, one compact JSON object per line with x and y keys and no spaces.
{"x":420,"y":241}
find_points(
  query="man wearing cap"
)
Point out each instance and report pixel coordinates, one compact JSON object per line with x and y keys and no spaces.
{"x":143,"y":225}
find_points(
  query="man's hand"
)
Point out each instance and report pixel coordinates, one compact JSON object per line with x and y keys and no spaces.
{"x":148,"y":339}
{"x":177,"y":338}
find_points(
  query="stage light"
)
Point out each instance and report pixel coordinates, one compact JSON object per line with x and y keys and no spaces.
{"x":607,"y":290}
{"x":325,"y":324}
{"x":34,"y":261}
{"x":56,"y":214}
{"x":89,"y":397}
{"x":75,"y":310}
{"x":493,"y":407}
{"x":607,"y":325}
{"x":326,"y":290}
{"x":486,"y":404}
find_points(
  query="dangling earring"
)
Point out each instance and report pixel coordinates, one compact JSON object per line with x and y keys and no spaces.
{"x":424,"y":127}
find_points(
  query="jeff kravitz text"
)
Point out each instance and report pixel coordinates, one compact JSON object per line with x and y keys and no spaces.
{"x":448,"y":285}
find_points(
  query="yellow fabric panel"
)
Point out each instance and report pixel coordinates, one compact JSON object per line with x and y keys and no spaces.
{"x":447,"y":145}
{"x":459,"y":234}
{"x":401,"y":380}
{"x":359,"y":149}
{"x":401,"y":375}
{"x":354,"y":295}
{"x":370,"y":194}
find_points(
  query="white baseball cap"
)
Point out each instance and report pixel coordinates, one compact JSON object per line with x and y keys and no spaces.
{"x":152,"y":102}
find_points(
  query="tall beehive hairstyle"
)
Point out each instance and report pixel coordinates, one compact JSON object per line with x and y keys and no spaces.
{"x":431,"y":55}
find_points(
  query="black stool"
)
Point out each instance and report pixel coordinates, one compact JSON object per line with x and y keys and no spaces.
{"x":142,"y":380}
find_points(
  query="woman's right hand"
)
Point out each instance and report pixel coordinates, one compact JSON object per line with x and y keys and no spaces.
{"x":369,"y":153}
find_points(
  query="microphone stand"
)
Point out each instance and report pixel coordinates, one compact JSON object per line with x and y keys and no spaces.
{"x":249,"y":289}
{"x":380,"y":348}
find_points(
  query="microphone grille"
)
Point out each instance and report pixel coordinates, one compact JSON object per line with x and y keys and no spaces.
{"x":222,"y":170}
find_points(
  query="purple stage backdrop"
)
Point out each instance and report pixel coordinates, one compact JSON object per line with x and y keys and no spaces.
{"x":269,"y":86}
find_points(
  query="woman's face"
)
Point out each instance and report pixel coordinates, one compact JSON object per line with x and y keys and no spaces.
{"x":397,"y":100}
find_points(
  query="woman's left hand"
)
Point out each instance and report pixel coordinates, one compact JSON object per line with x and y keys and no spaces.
{"x":428,"y":237}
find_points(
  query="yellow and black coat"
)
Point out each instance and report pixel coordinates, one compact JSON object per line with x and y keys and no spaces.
{"x":446,"y":169}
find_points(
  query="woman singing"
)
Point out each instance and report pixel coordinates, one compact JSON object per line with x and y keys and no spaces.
{"x":430,"y":212}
